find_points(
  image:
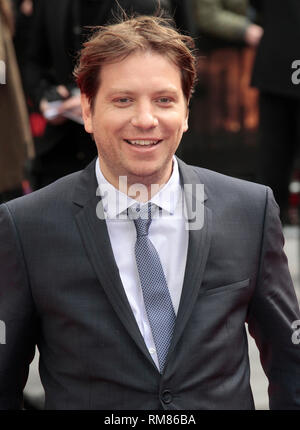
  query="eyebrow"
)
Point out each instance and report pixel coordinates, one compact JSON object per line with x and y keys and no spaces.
{"x":168,"y":90}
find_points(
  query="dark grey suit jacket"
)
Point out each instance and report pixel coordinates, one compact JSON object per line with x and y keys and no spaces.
{"x":60,"y":289}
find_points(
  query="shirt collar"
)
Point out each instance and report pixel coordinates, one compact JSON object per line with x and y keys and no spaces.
{"x":115,"y":202}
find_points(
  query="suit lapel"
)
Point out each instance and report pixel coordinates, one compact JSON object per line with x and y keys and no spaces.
{"x":93,"y":230}
{"x":198,"y":249}
{"x":94,"y":234}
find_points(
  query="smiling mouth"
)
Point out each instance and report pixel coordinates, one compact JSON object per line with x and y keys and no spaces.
{"x":141,"y":142}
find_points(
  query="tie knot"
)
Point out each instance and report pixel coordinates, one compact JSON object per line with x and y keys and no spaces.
{"x":142,"y":217}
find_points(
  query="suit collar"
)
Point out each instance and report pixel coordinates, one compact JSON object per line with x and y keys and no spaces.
{"x":191,"y":175}
{"x":86,"y":187}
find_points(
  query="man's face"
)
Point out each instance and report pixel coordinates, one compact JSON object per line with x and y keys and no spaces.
{"x":138,"y":118}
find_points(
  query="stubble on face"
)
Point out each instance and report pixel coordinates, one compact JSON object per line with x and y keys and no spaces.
{"x":139,"y":98}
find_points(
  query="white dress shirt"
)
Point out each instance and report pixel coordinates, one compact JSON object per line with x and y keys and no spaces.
{"x":167,"y":233}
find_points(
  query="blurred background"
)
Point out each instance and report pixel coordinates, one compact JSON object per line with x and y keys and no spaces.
{"x":244,"y":115}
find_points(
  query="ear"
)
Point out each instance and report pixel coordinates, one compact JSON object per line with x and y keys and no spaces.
{"x":186,"y":121}
{"x":86,"y":114}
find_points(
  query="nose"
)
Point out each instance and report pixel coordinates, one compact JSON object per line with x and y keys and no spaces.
{"x":144,"y":117}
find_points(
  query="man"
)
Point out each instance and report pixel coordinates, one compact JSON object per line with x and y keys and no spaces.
{"x":144,"y":311}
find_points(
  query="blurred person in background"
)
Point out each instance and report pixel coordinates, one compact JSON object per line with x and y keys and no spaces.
{"x":227,"y":20}
{"x":228,"y":36}
{"x":279,"y":102}
{"x":23,"y":12}
{"x":15,"y":138}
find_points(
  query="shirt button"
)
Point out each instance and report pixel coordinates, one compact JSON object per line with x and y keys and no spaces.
{"x":167,"y":396}
{"x":152,"y":350}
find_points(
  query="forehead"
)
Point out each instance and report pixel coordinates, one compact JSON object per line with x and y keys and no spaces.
{"x":141,"y":71}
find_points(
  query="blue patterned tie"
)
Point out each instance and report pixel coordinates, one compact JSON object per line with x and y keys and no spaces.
{"x":156,"y":295}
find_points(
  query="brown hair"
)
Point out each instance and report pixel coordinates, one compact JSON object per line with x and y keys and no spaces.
{"x":113,"y":43}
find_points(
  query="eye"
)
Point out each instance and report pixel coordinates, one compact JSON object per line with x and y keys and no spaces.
{"x":122,"y":101}
{"x":165,"y":100}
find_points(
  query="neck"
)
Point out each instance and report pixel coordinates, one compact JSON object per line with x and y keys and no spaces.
{"x":140,"y":188}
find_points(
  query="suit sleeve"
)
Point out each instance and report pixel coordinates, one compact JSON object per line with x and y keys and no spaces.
{"x":17,"y":316}
{"x":273,"y":311}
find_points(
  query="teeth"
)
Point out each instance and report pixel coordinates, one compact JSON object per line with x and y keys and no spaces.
{"x":143,"y":142}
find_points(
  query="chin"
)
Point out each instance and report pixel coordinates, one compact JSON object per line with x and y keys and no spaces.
{"x":148,"y":172}
{"x":141,"y":174}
